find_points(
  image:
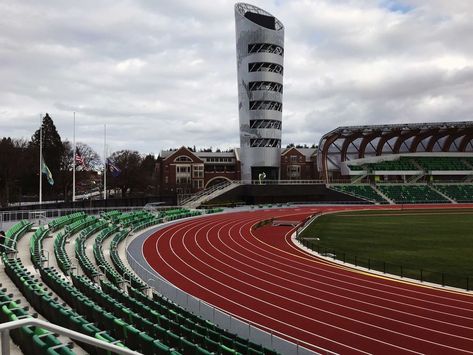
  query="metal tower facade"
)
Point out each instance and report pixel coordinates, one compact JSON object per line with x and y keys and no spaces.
{"x":260,"y":56}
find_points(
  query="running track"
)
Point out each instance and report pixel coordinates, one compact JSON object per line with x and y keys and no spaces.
{"x":261,"y":276}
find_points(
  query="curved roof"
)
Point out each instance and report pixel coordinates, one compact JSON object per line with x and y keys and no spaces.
{"x":357,"y":142}
{"x":244,"y":8}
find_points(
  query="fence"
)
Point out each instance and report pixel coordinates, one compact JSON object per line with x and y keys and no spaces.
{"x":401,"y":270}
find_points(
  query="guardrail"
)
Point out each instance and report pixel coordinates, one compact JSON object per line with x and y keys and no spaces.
{"x":11,"y":216}
{"x":6,"y":327}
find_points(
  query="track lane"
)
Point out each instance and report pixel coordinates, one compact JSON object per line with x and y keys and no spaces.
{"x":194,"y":247}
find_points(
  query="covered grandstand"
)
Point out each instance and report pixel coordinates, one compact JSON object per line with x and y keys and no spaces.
{"x":401,"y":152}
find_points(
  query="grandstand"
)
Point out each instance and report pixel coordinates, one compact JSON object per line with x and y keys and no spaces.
{"x":422,"y":151}
{"x":365,"y":192}
{"x":99,"y":296}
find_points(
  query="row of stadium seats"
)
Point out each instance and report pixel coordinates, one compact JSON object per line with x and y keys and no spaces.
{"x":365,"y":192}
{"x":418,"y":163}
{"x":457,"y":192}
{"x":401,"y":193}
{"x":149,"y":325}
{"x":40,"y":297}
{"x":405,"y":193}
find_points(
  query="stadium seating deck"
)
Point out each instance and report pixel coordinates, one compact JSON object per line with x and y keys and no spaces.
{"x":442,"y":163}
{"x":458,"y":192}
{"x":365,"y":192}
{"x":149,"y":325}
{"x":415,"y":163}
{"x":402,"y":193}
{"x":403,"y":164}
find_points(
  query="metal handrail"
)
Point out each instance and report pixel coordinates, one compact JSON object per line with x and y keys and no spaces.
{"x":6,"y":327}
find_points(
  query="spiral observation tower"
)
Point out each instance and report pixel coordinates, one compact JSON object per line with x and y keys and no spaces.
{"x":260,"y":56}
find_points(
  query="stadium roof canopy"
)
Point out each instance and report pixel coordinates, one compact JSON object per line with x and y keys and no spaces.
{"x":357,"y":142}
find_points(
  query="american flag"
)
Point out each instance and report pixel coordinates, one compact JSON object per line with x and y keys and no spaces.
{"x":80,"y":160}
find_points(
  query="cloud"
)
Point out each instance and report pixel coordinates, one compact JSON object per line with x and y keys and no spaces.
{"x":163,"y":74}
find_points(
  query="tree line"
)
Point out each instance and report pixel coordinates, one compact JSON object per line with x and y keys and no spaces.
{"x":19,"y":169}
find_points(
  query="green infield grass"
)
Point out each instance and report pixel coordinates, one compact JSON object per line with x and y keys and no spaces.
{"x":432,"y":245}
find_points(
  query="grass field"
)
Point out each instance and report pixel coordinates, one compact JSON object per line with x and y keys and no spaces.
{"x":401,"y":242}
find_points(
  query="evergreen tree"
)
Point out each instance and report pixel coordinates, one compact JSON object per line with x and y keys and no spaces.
{"x":53,"y":148}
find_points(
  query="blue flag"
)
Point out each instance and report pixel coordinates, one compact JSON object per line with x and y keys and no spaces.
{"x":115,"y":170}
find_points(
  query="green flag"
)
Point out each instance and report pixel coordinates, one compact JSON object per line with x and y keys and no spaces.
{"x":45,"y":170}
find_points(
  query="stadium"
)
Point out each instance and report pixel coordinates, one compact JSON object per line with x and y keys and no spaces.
{"x":361,"y":244}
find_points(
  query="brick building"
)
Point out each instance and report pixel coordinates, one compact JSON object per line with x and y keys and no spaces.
{"x":183,"y":171}
{"x":298,"y":164}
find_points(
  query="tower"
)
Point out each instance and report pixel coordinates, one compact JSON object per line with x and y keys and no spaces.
{"x":260,"y":54}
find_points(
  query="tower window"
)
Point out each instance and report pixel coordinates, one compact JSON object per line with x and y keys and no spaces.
{"x":265,"y":48}
{"x":271,"y":124}
{"x":265,"y":67}
{"x":265,"y":86}
{"x":266,"y":105}
{"x":265,"y":143}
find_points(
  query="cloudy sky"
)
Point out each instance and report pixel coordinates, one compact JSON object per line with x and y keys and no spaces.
{"x":162,"y":73}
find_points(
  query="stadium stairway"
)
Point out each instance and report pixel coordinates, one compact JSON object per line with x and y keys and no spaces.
{"x":391,"y":202}
{"x":208,"y":194}
{"x":442,"y":194}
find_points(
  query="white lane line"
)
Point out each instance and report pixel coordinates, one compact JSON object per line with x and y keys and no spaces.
{"x":363,"y":277}
{"x":316,"y":298}
{"x":251,"y":309}
{"x":317,"y":289}
{"x":205,"y":276}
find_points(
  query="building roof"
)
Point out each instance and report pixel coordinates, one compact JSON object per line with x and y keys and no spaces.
{"x":307,"y":152}
{"x":167,"y":153}
{"x":356,"y":142}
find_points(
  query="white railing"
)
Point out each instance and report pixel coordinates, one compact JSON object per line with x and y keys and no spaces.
{"x":12,"y":216}
{"x":6,"y":327}
{"x":206,"y":192}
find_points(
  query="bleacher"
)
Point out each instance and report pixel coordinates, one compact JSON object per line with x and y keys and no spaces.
{"x":365,"y":192}
{"x":403,"y":164}
{"x":418,"y":163}
{"x":442,"y":163}
{"x":457,"y":192}
{"x":104,"y":310}
{"x":404,"y":193}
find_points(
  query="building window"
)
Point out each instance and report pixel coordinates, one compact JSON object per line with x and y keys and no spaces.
{"x":183,"y":169}
{"x":266,"y":105}
{"x":198,"y":171}
{"x":265,"y":48}
{"x":270,"y":124}
{"x":183,"y":180}
{"x":265,"y":67}
{"x":293,"y":158}
{"x":198,"y":184}
{"x":265,"y":86}
{"x":265,"y":142}
{"x":294,"y":171}
{"x":183,"y":159}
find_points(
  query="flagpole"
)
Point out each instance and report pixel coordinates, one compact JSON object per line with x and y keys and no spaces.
{"x":40,"y":160}
{"x":74,"y":161}
{"x":104,"y":161}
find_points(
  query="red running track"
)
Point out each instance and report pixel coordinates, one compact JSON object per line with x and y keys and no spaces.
{"x":261,"y":276}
